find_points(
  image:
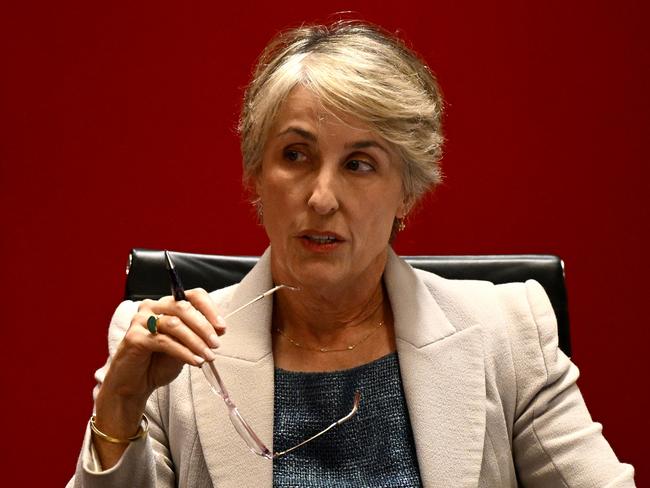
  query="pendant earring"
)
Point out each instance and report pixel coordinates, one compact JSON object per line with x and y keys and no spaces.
{"x":401,"y":224}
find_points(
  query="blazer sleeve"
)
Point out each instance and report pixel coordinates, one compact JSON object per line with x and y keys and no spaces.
{"x":146,"y":462}
{"x":555,"y":441}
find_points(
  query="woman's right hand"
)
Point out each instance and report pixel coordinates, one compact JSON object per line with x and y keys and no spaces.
{"x":187,"y":331}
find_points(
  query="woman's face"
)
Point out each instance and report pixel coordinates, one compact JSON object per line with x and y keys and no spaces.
{"x":330,"y":190}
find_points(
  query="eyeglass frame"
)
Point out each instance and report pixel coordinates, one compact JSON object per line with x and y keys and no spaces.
{"x":242,"y":427}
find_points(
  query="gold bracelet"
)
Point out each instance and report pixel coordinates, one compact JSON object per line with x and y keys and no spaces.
{"x":142,"y":431}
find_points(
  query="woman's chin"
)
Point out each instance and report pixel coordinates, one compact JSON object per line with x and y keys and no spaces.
{"x":326,"y":273}
{"x":321,"y":276}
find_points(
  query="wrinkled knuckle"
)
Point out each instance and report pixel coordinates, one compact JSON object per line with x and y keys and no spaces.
{"x":132,"y":338}
{"x":173,"y":322}
{"x":200,"y":292}
{"x":139,"y":318}
{"x":184,"y":306}
{"x":129,"y":336}
{"x":145,"y":304}
{"x":160,"y":341}
{"x":197,"y":295}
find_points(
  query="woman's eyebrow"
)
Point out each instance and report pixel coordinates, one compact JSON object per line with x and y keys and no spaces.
{"x":366,"y":143}
{"x":301,"y":132}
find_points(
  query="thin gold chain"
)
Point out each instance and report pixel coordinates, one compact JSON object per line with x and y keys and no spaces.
{"x":329,"y":349}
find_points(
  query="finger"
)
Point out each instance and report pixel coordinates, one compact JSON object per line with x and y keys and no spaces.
{"x":138,"y":338}
{"x":203,"y":302}
{"x":167,"y":344}
{"x":190,"y":315}
{"x":147,"y":305}
{"x":174,"y":327}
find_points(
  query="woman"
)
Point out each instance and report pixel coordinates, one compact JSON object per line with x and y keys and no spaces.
{"x":461,"y":383}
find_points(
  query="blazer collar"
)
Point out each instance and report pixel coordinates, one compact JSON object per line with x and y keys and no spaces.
{"x":443,"y":377}
{"x":442,"y":372}
{"x":421,"y":320}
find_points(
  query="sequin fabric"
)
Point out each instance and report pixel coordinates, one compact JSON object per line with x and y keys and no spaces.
{"x":373,"y":449}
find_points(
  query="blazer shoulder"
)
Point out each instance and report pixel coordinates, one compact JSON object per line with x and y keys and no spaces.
{"x":516,"y":318}
{"x":464,"y":302}
{"x":518,"y":308}
{"x":518,"y":325}
{"x":531,"y":322}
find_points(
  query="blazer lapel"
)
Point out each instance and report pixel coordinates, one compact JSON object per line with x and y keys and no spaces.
{"x":245,"y":364}
{"x":443,"y":376}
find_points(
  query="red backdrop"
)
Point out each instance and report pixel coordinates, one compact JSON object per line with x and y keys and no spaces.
{"x":118,"y":131}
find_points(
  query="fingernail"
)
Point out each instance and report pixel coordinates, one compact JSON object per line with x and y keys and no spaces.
{"x":214,"y":340}
{"x":199,"y":360}
{"x":208,"y":354}
{"x":221,"y":321}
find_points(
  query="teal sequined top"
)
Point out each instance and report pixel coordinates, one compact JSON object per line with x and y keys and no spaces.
{"x":373,"y":449}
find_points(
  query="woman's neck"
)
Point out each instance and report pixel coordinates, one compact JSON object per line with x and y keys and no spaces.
{"x":320,"y":315}
{"x":356,"y":326}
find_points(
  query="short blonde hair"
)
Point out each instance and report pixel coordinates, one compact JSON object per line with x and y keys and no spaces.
{"x":358,"y":69}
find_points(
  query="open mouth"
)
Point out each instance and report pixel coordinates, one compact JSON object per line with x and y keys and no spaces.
{"x":321,"y":239}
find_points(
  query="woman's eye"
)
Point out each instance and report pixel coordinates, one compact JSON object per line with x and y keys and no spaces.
{"x":359,"y":165}
{"x":293,"y":155}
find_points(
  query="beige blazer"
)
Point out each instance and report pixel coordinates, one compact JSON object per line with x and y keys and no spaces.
{"x":492,"y":400}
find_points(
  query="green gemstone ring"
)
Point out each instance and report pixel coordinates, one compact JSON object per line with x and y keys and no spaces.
{"x":152,"y":324}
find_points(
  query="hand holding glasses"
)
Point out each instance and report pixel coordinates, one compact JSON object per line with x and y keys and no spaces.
{"x":216,"y":384}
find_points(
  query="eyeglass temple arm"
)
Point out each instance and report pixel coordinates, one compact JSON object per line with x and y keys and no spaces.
{"x":259,"y":297}
{"x":263,"y":450}
{"x":211,"y":365}
{"x":355,"y":407}
{"x":222,"y":387}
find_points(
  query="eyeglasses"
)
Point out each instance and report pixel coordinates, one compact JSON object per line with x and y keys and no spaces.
{"x":241,"y":426}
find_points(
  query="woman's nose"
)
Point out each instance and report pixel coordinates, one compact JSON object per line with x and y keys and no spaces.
{"x":323,"y":198}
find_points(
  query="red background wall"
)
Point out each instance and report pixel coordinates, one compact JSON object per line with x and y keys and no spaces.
{"x":118,"y":131}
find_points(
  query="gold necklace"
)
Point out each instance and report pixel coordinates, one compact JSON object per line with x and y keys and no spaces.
{"x":329,"y":349}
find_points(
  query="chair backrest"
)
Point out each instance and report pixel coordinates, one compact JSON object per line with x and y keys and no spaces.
{"x":148,"y":278}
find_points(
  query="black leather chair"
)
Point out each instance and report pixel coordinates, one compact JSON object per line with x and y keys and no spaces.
{"x":147,"y":276}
